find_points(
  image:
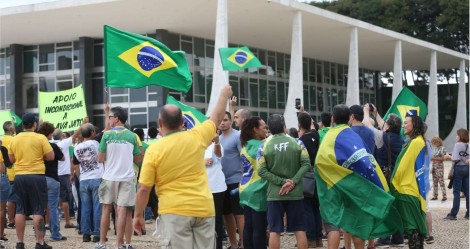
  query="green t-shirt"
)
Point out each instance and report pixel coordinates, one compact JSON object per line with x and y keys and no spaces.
{"x":322,"y":132}
{"x":283,"y":157}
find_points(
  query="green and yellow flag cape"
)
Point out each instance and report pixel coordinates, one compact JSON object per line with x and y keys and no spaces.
{"x":252,"y":187}
{"x":352,"y":189}
{"x":408,"y":186}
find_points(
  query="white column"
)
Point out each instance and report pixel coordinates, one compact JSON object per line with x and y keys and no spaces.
{"x":352,"y":90}
{"x":219,"y":76}
{"x":295,"y":74}
{"x":461,"y":117}
{"x":433,"y":115}
{"x":397,"y":71}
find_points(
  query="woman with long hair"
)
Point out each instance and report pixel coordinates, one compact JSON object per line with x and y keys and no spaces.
{"x":460,"y":180}
{"x":252,"y":187}
{"x":408,"y":184}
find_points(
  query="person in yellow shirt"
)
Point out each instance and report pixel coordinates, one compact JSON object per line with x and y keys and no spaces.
{"x":9,"y":129}
{"x":28,"y":150}
{"x":175,"y":164}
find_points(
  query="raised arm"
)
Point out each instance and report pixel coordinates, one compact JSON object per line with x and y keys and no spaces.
{"x":219,"y":111}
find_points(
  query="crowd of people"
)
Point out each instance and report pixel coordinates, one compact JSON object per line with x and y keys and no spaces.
{"x":235,"y":176}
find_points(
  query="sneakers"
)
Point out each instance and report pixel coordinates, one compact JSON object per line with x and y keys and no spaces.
{"x":450,"y":217}
{"x":382,"y":243}
{"x":429,"y":240}
{"x":71,"y":225}
{"x":87,"y":238}
{"x":397,"y":245}
{"x":19,"y":245}
{"x":43,"y":246}
{"x":99,"y":246}
{"x":96,"y":239}
{"x":434,"y":198}
{"x":11,"y":226}
{"x":444,"y":198}
{"x":61,"y":239}
{"x":126,"y":247}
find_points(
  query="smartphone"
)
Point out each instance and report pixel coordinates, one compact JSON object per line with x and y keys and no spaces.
{"x":297,"y":103}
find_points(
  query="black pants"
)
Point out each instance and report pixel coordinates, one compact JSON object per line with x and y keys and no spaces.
{"x":254,"y":233}
{"x":219,"y":223}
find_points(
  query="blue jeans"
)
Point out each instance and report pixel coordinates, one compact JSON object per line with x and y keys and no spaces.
{"x":460,"y":185}
{"x":53,"y":192}
{"x":91,"y":207}
{"x":4,"y":188}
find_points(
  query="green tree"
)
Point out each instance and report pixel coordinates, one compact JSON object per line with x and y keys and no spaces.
{"x":442,"y":22}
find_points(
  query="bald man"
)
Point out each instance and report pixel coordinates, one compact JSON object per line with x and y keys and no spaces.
{"x":174,"y":165}
{"x":240,"y":116}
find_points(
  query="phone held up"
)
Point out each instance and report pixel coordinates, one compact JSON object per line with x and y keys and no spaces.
{"x":297,"y":103}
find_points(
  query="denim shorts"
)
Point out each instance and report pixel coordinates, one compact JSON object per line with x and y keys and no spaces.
{"x":4,"y":188}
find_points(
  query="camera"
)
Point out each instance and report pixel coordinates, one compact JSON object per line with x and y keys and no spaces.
{"x":297,"y":103}
{"x":371,"y":107}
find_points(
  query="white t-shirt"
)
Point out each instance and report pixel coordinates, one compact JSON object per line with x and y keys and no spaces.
{"x":86,"y":154}
{"x":64,"y":166}
{"x":120,"y":146}
{"x":214,"y":172}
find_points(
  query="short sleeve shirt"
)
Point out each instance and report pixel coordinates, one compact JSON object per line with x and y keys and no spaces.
{"x":29,"y":149}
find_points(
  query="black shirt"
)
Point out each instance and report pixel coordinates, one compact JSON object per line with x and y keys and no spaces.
{"x":52,"y":166}
{"x":311,"y":141}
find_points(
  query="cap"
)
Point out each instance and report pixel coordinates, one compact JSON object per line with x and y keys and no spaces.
{"x":357,"y":110}
{"x":29,"y":118}
{"x":410,"y":113}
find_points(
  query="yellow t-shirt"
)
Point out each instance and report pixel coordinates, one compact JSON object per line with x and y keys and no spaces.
{"x":6,"y":139}
{"x":175,"y":164}
{"x":29,"y":149}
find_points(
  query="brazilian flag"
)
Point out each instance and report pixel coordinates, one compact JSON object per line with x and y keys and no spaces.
{"x":352,"y":190}
{"x":8,"y":116}
{"x":252,"y":187}
{"x":406,"y":101}
{"x":136,"y":61}
{"x":192,"y":116}
{"x":238,"y":58}
{"x":408,"y":185}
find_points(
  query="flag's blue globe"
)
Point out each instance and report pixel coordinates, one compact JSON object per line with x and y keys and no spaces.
{"x":241,"y":57}
{"x":189,"y":122}
{"x":149,"y":58}
{"x":247,"y":170}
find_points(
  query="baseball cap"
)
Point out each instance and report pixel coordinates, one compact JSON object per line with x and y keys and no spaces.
{"x":29,"y":118}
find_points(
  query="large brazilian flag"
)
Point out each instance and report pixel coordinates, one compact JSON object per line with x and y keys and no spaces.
{"x":408,"y":185}
{"x":352,"y":189}
{"x":252,"y":187}
{"x":135,"y":61}
{"x":191,"y":115}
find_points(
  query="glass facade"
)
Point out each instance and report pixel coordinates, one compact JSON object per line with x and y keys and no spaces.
{"x":264,"y":90}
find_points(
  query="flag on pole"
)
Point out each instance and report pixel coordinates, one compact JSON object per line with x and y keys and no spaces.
{"x":136,"y":61}
{"x":238,"y":58}
{"x":406,"y":101}
{"x":8,"y":116}
{"x":15,"y":119}
{"x":192,"y":116}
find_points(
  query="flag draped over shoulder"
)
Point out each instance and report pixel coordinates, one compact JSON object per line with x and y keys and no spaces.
{"x":352,"y":189}
{"x":238,"y":58}
{"x":135,"y":61}
{"x":408,"y":185}
{"x":252,"y":187}
{"x":192,"y":116}
{"x":405,"y":101}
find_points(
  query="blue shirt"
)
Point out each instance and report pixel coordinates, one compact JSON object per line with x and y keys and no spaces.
{"x":231,"y":161}
{"x":367,"y":136}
